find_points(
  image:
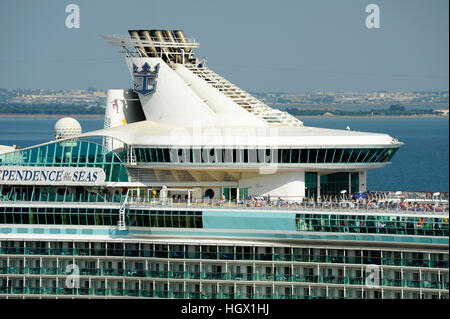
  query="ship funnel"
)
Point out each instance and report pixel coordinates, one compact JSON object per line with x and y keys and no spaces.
{"x":169,"y":45}
{"x":122,"y":107}
{"x":135,"y":35}
{"x":157,"y":36}
{"x":151,"y":50}
{"x":180,"y":38}
{"x":175,"y":52}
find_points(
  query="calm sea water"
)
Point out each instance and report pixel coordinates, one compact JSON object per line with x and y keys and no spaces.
{"x":422,"y":164}
{"x":419,"y":165}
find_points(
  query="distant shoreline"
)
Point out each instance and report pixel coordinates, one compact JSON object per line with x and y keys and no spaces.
{"x":51,"y":115}
{"x":24,"y":115}
{"x":372,"y":116}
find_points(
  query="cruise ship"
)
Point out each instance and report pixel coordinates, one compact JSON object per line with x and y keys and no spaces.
{"x":195,"y":189}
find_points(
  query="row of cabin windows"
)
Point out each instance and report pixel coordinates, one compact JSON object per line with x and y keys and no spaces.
{"x":396,"y":225}
{"x":99,"y":217}
{"x":283,"y":156}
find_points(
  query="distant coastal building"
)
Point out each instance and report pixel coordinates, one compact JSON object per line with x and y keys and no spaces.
{"x":7,"y":149}
{"x":441,"y":111}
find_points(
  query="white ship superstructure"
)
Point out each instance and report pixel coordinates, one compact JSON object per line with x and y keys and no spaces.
{"x":199,"y":190}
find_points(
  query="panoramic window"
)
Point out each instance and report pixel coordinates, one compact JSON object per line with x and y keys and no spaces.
{"x":281,"y":156}
{"x":79,"y":154}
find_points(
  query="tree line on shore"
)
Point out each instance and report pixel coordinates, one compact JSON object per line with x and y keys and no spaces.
{"x":392,"y":110}
{"x":20,"y":108}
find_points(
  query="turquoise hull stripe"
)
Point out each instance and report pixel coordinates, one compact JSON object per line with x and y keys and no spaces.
{"x":231,"y":235}
{"x":64,"y":231}
{"x":373,"y":238}
{"x":248,"y":220}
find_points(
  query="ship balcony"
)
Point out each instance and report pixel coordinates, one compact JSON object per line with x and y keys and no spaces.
{"x":17,"y":210}
{"x":343,"y":206}
{"x":91,"y":292}
{"x":101,"y":292}
{"x":345,"y":279}
{"x":358,"y":260}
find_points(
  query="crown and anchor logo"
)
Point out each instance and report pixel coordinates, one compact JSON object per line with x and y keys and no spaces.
{"x":146,"y":86}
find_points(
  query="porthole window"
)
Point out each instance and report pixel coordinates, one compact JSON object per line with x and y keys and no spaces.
{"x":210,"y":193}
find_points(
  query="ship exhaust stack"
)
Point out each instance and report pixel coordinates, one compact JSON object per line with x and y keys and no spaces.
{"x":150,"y":49}
{"x":170,"y":45}
{"x":135,"y":35}
{"x":157,"y":36}
{"x":122,"y":107}
{"x":175,"y":51}
{"x":179,"y":36}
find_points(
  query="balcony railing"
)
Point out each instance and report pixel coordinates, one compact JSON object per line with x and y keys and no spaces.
{"x":135,"y":293}
{"x":361,"y":260}
{"x":230,"y":276}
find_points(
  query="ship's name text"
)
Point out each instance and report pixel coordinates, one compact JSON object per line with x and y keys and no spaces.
{"x":51,"y":175}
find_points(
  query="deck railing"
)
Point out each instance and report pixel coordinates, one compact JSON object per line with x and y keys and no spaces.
{"x":386,"y":205}
{"x":221,"y":276}
{"x":387,"y":201}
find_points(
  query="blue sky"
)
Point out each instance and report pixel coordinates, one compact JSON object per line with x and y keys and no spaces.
{"x":271,"y":46}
